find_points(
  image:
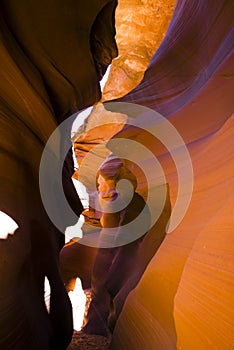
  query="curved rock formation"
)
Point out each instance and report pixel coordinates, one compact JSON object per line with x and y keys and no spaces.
{"x":43,"y":45}
{"x":185,"y":297}
{"x":140,"y":28}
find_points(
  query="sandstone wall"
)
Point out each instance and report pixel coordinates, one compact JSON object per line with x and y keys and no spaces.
{"x":185,"y":298}
{"x":140,"y":27}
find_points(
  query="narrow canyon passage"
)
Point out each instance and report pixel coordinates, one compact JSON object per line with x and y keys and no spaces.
{"x":164,"y":122}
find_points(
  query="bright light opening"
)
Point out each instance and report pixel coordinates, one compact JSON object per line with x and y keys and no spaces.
{"x":104,"y":78}
{"x":47,"y":292}
{"x":80,"y":118}
{"x":75,"y":232}
{"x":78,"y":301}
{"x":7,"y":225}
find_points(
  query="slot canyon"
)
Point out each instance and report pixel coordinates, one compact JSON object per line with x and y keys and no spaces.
{"x":144,"y":87}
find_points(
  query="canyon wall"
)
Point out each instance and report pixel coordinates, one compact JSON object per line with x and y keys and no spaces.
{"x":185,"y":298}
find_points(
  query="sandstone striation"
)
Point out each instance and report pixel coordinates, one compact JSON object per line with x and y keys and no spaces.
{"x":184,"y":298}
{"x":190,"y":279}
{"x":52,"y":57}
{"x":140,"y":28}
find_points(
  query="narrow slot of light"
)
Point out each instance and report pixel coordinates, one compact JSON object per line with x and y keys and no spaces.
{"x":47,"y":292}
{"x":7,"y":225}
{"x":80,"y":118}
{"x":78,"y":301}
{"x":104,"y":78}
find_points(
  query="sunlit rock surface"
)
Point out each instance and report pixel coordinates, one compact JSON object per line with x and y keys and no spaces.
{"x":185,"y":298}
{"x":97,"y":129}
{"x":140,"y":27}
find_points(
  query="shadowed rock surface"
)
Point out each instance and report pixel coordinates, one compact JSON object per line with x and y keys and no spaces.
{"x":43,"y":45}
{"x":185,"y":297}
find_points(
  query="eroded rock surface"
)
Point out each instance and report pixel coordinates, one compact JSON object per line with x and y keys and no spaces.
{"x":185,"y":297}
{"x":48,"y":71}
{"x":189,"y":80}
{"x":141,"y":26}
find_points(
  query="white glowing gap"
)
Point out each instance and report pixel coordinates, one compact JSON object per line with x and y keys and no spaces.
{"x":75,"y":231}
{"x":80,"y":119}
{"x":86,"y":112}
{"x":47,"y":292}
{"x":7,"y":225}
{"x":104,"y":79}
{"x":78,"y":301}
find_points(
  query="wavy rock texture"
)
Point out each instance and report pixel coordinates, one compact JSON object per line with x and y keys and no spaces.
{"x":194,"y":47}
{"x":204,"y":299}
{"x":41,"y":45}
{"x":185,"y":297}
